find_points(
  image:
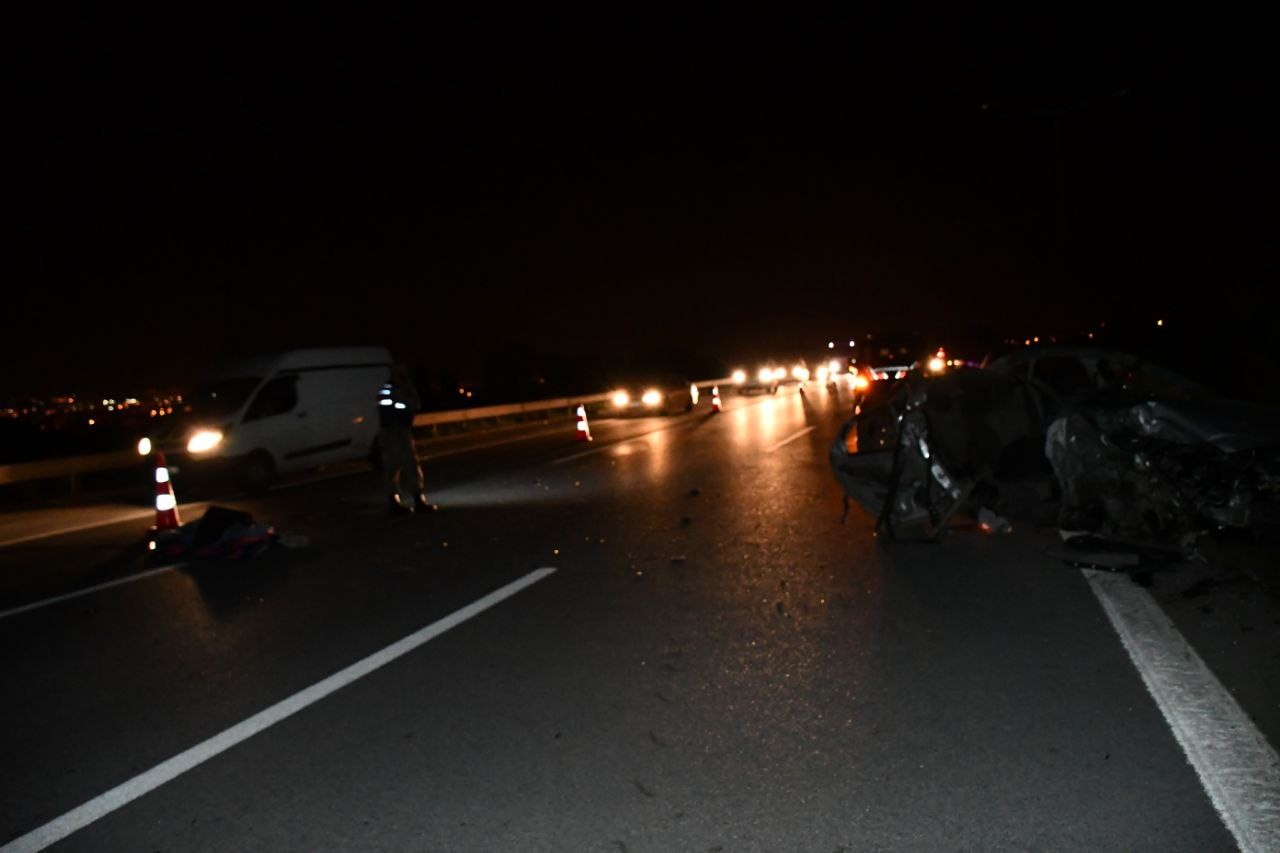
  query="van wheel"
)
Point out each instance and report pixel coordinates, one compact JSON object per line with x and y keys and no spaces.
{"x":257,"y":472}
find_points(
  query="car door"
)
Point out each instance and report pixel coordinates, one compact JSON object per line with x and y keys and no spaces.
{"x":274,"y":422}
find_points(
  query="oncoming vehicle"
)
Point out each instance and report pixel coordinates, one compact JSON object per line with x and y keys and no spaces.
{"x":764,"y":380}
{"x":260,"y":417}
{"x":797,"y":374}
{"x":654,"y":395}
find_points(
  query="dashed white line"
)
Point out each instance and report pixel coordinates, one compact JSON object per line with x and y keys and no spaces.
{"x":1237,"y":767}
{"x":789,"y":439}
{"x":35,"y":605}
{"x":121,"y":795}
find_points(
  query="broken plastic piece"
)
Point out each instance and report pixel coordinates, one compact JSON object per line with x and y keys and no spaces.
{"x":993,"y":523}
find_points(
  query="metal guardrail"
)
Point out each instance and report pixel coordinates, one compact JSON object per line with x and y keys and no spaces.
{"x":75,"y":466}
{"x":481,"y":413}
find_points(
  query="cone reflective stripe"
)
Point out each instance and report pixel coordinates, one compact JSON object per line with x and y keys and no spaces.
{"x":166,"y":502}
{"x":584,"y":432}
{"x":715,"y":399}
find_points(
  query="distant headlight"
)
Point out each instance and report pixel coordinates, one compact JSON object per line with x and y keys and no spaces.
{"x":739,"y":376}
{"x":822,"y":374}
{"x":693,"y":394}
{"x":937,"y":365}
{"x":765,"y":374}
{"x":652,"y":397}
{"x":204,"y":440}
{"x":144,"y":447}
{"x":801,"y":373}
{"x":621,"y":398}
{"x":779,"y":373}
{"x":859,"y":381}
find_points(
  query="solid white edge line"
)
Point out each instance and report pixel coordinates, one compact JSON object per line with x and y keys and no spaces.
{"x":789,"y":439}
{"x":102,"y":805}
{"x":35,"y":605}
{"x":1238,"y":769}
{"x":428,"y":457}
{"x":91,"y":525}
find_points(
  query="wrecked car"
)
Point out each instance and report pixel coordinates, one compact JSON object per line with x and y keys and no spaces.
{"x":1109,"y":443}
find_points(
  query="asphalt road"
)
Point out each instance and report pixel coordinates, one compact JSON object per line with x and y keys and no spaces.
{"x":716,"y":662}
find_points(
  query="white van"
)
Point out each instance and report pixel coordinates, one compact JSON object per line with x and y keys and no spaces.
{"x":274,"y":414}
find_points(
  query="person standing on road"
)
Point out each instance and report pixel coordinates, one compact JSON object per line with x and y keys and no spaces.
{"x":398,"y":402}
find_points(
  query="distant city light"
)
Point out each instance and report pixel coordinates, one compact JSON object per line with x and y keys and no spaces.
{"x":831,"y":344}
{"x":1159,"y":322}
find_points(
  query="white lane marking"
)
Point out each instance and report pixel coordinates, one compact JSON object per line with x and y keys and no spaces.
{"x":123,"y":794}
{"x":120,"y":519}
{"x":1237,"y":767}
{"x":35,"y":605}
{"x":789,"y":439}
{"x":602,"y":448}
{"x":596,"y":450}
{"x":430,"y":455}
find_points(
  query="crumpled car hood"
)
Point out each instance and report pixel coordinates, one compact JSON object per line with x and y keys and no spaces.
{"x":1230,"y":426}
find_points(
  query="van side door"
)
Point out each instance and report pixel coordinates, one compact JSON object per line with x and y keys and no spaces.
{"x":342,"y":410}
{"x":274,"y":422}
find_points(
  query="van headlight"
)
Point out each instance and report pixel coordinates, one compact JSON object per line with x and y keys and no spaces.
{"x":765,"y":374}
{"x":739,"y":376}
{"x":202,"y":441}
{"x":651,"y":398}
{"x":621,"y":398}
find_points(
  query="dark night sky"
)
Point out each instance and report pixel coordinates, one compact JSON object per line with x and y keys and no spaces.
{"x":451,"y":186}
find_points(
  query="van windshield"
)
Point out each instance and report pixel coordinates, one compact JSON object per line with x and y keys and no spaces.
{"x":223,"y":397}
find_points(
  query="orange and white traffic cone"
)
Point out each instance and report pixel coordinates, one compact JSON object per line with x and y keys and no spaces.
{"x":715,"y":399}
{"x":584,"y":431}
{"x":166,"y":502}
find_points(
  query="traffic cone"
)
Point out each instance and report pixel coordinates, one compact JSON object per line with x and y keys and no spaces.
{"x":166,"y":503}
{"x":715,"y":399}
{"x":584,"y":432}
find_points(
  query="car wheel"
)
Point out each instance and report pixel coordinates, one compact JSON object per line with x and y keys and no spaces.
{"x":257,"y":472}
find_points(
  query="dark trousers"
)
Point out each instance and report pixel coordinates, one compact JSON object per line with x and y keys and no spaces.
{"x":400,"y":463}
